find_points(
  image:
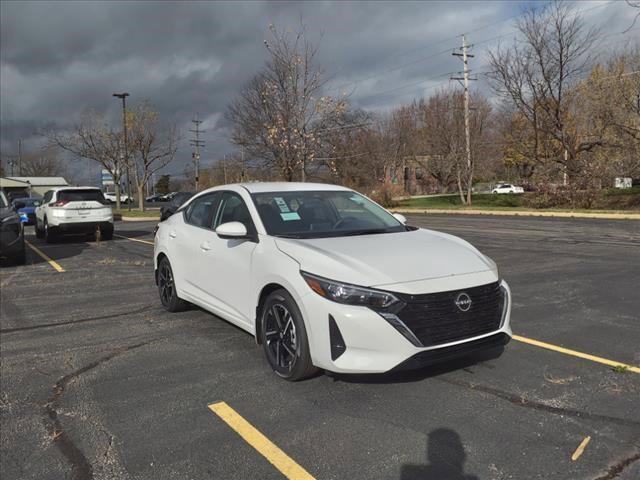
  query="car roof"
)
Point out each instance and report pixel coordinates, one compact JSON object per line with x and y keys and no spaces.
{"x":261,"y":187}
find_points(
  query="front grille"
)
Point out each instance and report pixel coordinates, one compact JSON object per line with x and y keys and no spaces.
{"x":435,"y":318}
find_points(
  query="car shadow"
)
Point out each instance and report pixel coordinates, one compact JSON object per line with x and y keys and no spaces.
{"x":133,"y":233}
{"x":445,"y":456}
{"x":416,"y":375}
{"x":64,"y":247}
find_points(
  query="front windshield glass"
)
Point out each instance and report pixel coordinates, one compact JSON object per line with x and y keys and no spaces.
{"x":320,"y":214}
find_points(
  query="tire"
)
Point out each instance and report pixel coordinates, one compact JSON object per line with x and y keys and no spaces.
{"x":49,"y":234}
{"x":167,"y":288}
{"x":106,"y":233}
{"x":284,"y":337}
{"x":21,"y":258}
{"x":39,"y":231}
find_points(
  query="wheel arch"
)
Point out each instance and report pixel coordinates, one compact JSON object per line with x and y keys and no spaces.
{"x":159,"y":258}
{"x":267,"y":290}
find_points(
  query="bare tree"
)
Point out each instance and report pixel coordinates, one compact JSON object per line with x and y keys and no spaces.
{"x":278,"y":115}
{"x":45,"y":163}
{"x":94,"y":140}
{"x":151,"y":146}
{"x":538,"y":73}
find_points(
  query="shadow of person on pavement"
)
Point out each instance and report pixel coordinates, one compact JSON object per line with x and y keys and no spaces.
{"x":446,"y":457}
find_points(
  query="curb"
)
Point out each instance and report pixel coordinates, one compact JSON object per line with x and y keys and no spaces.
{"x":523,"y":213}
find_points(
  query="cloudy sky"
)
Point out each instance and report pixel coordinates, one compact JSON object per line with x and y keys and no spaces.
{"x":187,"y":58}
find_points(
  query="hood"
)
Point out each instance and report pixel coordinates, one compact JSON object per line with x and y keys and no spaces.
{"x":27,"y":210}
{"x":384,"y":259}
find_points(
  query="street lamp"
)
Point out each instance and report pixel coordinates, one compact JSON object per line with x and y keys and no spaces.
{"x":123,"y":97}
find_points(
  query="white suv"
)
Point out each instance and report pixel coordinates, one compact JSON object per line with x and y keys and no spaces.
{"x":73,"y":210}
{"x":507,"y":188}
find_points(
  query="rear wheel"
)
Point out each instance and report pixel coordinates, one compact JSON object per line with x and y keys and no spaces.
{"x":39,"y":231}
{"x":167,"y":288}
{"x":49,"y":234}
{"x":284,"y":337}
{"x":106,"y":233}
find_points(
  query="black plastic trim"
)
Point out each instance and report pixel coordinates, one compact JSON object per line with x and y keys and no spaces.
{"x":443,"y":354}
{"x":336,"y":341}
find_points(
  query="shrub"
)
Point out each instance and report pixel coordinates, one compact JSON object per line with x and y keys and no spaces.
{"x":387,"y":195}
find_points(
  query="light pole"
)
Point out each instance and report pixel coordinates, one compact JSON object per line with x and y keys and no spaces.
{"x":123,"y":97}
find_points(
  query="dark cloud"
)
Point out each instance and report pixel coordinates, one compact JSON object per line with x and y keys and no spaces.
{"x":58,"y":58}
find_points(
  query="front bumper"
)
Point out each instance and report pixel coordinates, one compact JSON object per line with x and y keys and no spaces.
{"x":373,"y":345}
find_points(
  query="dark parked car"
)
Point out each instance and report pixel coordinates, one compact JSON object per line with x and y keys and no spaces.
{"x":26,"y":208}
{"x":177,"y":200}
{"x":11,"y":233}
{"x":155,"y":198}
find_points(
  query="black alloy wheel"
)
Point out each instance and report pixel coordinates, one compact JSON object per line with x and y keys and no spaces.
{"x":284,"y":337}
{"x":167,"y":288}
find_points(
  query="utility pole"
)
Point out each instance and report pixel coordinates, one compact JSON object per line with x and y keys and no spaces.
{"x":19,"y":157}
{"x":465,"y":78}
{"x":224,"y":168}
{"x":196,"y":143}
{"x":123,"y":97}
{"x":242,"y":172}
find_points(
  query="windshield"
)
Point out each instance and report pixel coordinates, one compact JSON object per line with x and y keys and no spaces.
{"x":320,"y":214}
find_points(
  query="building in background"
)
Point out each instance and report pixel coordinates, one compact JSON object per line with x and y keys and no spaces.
{"x":33,"y":186}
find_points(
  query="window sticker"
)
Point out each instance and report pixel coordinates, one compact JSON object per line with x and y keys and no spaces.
{"x":290,"y":216}
{"x":284,"y":208}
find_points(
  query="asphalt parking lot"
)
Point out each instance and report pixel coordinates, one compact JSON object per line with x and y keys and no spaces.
{"x":99,"y":382}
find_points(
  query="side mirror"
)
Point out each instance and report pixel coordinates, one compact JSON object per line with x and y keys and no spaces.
{"x":18,"y":205}
{"x":401,"y":218}
{"x":232,"y":230}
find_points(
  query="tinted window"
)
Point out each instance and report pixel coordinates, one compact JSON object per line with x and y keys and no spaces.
{"x":233,"y":209}
{"x":200,"y":212}
{"x":47,"y":197}
{"x":81,"y":195}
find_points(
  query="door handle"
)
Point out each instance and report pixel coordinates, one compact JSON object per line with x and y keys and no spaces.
{"x":204,"y":246}
{"x":172,"y":234}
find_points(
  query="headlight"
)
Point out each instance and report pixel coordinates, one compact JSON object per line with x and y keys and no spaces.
{"x":348,"y":294}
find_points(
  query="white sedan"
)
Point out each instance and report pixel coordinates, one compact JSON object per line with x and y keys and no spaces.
{"x":325,"y":278}
{"x":507,"y":188}
{"x":111,"y":197}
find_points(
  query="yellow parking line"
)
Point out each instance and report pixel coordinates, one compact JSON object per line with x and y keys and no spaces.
{"x":575,"y":353}
{"x":134,"y":239}
{"x":580,"y":449}
{"x":262,"y":444}
{"x":53,"y":263}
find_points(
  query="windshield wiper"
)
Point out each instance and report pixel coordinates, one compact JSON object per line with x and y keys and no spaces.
{"x":371,"y":231}
{"x":289,"y":236}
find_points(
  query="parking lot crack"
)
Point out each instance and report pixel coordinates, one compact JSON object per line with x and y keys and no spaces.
{"x":615,"y":470}
{"x":521,"y":401}
{"x":80,"y":466}
{"x":81,"y":320}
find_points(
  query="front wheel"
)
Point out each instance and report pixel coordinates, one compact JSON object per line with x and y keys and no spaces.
{"x":284,"y":337}
{"x":167,"y":288}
